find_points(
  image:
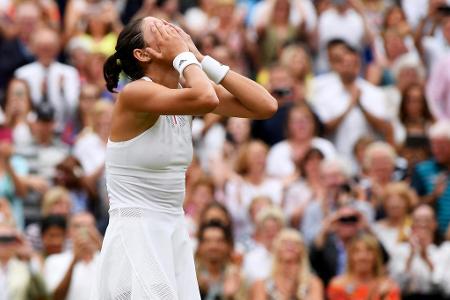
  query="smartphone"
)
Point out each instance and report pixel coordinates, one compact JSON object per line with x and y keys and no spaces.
{"x":8,"y":239}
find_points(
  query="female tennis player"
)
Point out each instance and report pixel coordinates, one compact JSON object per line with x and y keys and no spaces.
{"x":146,"y":252}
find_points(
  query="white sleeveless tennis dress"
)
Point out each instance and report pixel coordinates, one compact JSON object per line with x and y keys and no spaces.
{"x":146,"y":252}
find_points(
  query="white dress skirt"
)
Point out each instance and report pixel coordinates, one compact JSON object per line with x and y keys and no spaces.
{"x":146,"y":255}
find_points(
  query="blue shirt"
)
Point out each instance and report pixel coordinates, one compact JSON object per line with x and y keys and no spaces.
{"x":424,"y":181}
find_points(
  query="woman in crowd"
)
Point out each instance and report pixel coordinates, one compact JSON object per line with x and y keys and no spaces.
{"x":253,"y":181}
{"x":301,"y":136}
{"x":398,"y":201}
{"x":219,"y":278}
{"x":291,"y":274}
{"x":306,"y":188}
{"x":415,"y":119}
{"x":18,"y":113}
{"x":365,"y":276}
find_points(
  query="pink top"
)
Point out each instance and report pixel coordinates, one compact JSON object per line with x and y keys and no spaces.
{"x":438,"y":89}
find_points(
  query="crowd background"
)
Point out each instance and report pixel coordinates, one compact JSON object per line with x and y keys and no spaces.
{"x":343,"y":194}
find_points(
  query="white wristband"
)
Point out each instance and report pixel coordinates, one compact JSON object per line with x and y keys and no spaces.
{"x":184,"y":59}
{"x":214,"y":69}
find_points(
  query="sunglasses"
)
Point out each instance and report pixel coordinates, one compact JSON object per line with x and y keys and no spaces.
{"x":8,"y":239}
{"x":348,"y":219}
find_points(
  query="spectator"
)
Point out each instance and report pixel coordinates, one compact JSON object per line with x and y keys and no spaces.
{"x":218,"y":277}
{"x":291,"y":275}
{"x":49,"y":80}
{"x":258,"y":261}
{"x":254,"y":182}
{"x":281,"y":86}
{"x":357,"y":107}
{"x":301,"y":135}
{"x":90,"y":146}
{"x":13,"y":186}
{"x":18,"y":112}
{"x":398,"y":201}
{"x":416,"y":261}
{"x":430,"y":178}
{"x":337,"y":193}
{"x":216,"y":211}
{"x":47,"y":150}
{"x":306,"y":188}
{"x":15,"y":40}
{"x":379,"y":163}
{"x":438,"y":91}
{"x":17,"y":277}
{"x":435,"y":46}
{"x":328,"y":251}
{"x":83,"y":117}
{"x":53,"y":232}
{"x":56,"y":201}
{"x":69,"y":274}
{"x":364,"y":277}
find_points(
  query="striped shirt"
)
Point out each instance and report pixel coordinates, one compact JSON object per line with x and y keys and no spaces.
{"x":424,"y":179}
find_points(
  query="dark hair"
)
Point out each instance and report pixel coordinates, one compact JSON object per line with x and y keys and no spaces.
{"x":311,"y":153}
{"x":336,"y":42}
{"x":219,"y":206}
{"x":53,"y":221}
{"x":226,"y":230}
{"x":129,"y":39}
{"x":403,"y":104}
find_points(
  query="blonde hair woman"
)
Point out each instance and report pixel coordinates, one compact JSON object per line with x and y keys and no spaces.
{"x":364,"y":278}
{"x":253,"y":181}
{"x":398,"y":201}
{"x":291,"y":274}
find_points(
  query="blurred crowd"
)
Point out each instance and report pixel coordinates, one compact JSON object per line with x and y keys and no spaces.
{"x":343,"y":194}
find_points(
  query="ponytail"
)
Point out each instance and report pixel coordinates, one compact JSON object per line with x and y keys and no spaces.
{"x":129,"y":39}
{"x":111,"y":72}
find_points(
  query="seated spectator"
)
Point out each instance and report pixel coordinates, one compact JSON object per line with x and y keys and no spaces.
{"x":70,"y":175}
{"x":308,"y":187}
{"x":254,"y":182}
{"x":53,"y":233}
{"x":82,"y":118}
{"x":218,"y":276}
{"x":291,"y":276}
{"x":215,"y":211}
{"x":56,"y":201}
{"x":430,"y":178}
{"x":69,"y":274}
{"x":435,"y":46}
{"x":13,"y":169}
{"x":337,"y":193}
{"x":15,"y":39}
{"x":438,"y":90}
{"x":18,"y":112}
{"x":357,"y":108}
{"x":415,"y":120}
{"x":416,"y":261}
{"x":19,"y":277}
{"x":197,"y":199}
{"x":50,"y":81}
{"x":364,"y":277}
{"x":379,"y":163}
{"x":258,"y":261}
{"x":398,"y":201}
{"x":301,"y":135}
{"x":328,"y":251}
{"x":47,"y":150}
{"x":90,"y":145}
{"x":281,"y":86}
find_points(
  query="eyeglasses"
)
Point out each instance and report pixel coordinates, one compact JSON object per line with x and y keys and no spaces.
{"x":352,"y":219}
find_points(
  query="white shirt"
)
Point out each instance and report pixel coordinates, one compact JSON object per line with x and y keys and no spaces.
{"x":436,"y":48}
{"x":279,"y":159}
{"x":332,"y":101}
{"x":348,"y":26}
{"x":238,"y":197}
{"x":261,"y":12}
{"x":90,"y":151}
{"x":56,"y":267}
{"x":63,"y":87}
{"x":441,"y":275}
{"x":420,"y":278}
{"x":257,"y":264}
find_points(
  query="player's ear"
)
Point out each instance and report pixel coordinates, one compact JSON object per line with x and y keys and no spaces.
{"x":144,"y":55}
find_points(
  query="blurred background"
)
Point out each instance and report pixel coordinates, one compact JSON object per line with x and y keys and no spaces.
{"x":343,"y":194}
